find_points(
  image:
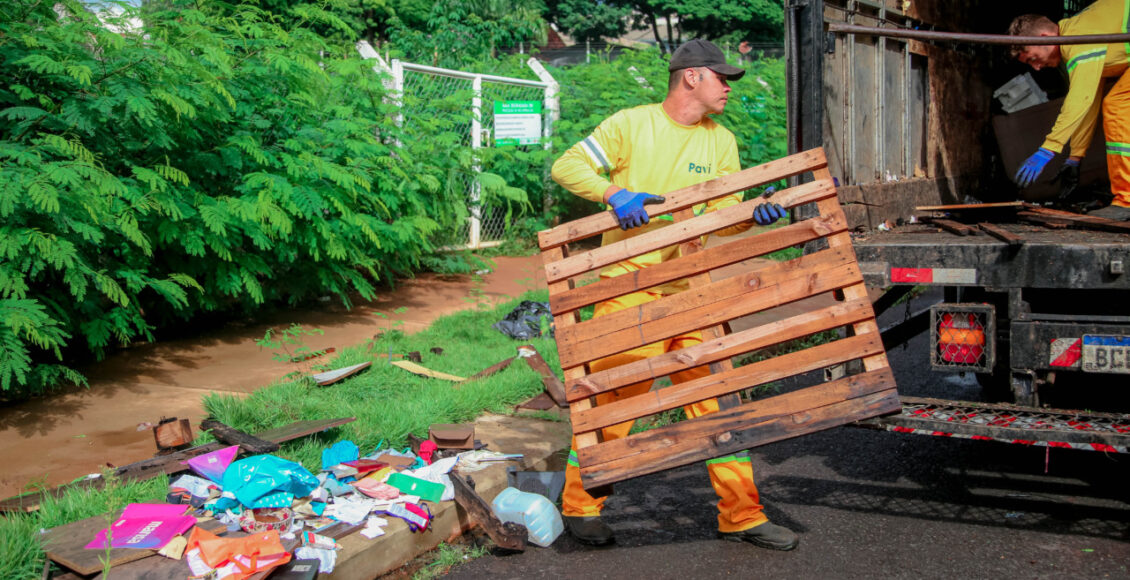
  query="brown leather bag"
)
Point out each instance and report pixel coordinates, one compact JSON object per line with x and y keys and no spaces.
{"x":449,"y":436}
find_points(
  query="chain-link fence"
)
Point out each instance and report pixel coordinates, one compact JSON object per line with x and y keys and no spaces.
{"x":438,"y":102}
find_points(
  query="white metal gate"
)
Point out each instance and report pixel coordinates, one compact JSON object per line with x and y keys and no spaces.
{"x":414,"y":84}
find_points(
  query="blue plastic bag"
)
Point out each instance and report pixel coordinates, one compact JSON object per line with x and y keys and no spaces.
{"x":339,"y":452}
{"x":267,"y":481}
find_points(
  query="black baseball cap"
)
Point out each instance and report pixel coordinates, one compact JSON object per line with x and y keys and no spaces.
{"x":703,"y":53}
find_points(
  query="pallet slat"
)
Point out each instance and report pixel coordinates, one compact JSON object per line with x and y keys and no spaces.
{"x":716,"y":424}
{"x":777,"y":429}
{"x":708,"y":259}
{"x":681,"y":232}
{"x":788,"y":290}
{"x":687,"y":197}
{"x":716,"y":385}
{"x":721,"y":348}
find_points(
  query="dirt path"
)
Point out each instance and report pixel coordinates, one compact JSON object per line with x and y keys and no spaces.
{"x":53,"y":440}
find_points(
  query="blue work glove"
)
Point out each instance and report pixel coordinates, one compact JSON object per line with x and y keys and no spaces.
{"x":768,"y":213}
{"x":1033,"y":167}
{"x":628,"y":207}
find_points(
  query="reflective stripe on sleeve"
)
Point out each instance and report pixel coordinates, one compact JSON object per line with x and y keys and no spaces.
{"x":1086,"y":56}
{"x":596,"y":153}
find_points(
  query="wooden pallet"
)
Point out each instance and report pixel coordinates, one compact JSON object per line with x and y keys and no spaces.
{"x":708,"y":306}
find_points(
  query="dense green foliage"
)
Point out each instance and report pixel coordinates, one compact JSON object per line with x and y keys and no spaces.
{"x":229,"y":158}
{"x":220,"y":162}
{"x":671,"y":21}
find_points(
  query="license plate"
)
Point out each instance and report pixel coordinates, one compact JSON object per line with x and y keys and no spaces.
{"x":1105,"y":353}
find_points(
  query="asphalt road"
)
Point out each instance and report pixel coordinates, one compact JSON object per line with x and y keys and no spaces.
{"x":869,"y":504}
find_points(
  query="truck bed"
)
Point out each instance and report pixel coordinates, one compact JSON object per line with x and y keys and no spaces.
{"x":1045,"y":257}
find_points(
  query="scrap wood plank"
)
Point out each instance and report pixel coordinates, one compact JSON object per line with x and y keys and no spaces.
{"x":332,"y":376}
{"x":509,"y":535}
{"x":171,"y":463}
{"x":426,"y":372}
{"x":553,"y":386}
{"x":1001,"y":234}
{"x":64,"y":544}
{"x":232,"y":436}
{"x":973,"y":206}
{"x":952,"y":227}
{"x":709,"y":306}
{"x":1037,"y":213}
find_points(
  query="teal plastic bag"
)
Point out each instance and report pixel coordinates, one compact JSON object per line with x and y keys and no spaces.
{"x":339,"y":452}
{"x":267,"y":481}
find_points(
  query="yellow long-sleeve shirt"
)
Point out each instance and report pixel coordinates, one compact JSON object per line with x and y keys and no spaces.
{"x":1087,"y":66}
{"x":643,"y":150}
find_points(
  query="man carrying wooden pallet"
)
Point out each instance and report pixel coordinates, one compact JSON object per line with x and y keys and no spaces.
{"x":629,"y":160}
{"x":1088,"y":67}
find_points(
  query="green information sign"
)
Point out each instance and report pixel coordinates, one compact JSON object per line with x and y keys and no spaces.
{"x":517,"y":123}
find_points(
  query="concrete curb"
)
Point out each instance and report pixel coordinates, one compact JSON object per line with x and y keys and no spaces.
{"x":543,"y":444}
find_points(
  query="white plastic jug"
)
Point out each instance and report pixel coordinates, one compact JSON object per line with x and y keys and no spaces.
{"x":538,"y":514}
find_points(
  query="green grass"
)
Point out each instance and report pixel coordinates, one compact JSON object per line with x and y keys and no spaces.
{"x":446,"y":556}
{"x":391,"y":403}
{"x":388,"y":402}
{"x":21,"y":555}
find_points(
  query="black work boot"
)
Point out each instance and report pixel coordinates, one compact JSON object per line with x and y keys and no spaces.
{"x":767,"y":535}
{"x":591,"y":530}
{"x":1112,"y":212}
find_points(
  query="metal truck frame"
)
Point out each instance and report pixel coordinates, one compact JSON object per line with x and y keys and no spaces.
{"x":907,"y":123}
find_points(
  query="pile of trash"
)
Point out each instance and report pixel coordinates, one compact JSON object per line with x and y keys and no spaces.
{"x":277,"y":513}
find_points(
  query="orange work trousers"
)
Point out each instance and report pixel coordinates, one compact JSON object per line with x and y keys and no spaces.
{"x":739,"y":507}
{"x":1116,"y":130}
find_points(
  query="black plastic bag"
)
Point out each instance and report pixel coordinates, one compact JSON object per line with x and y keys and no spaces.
{"x":526,"y":321}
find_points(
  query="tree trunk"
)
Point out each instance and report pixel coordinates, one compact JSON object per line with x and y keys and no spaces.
{"x":655,"y":31}
{"x":670,"y":36}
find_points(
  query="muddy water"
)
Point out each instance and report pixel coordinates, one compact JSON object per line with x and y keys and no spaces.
{"x":53,"y":440}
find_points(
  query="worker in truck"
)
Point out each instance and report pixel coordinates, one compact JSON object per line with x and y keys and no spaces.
{"x":629,"y":161}
{"x":1088,"y":65}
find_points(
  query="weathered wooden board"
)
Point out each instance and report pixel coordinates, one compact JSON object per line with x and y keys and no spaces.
{"x":64,"y":545}
{"x":509,"y":535}
{"x":710,"y":303}
{"x":247,"y":443}
{"x":171,"y":463}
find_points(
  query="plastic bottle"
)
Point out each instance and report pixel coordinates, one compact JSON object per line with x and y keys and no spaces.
{"x":538,"y":514}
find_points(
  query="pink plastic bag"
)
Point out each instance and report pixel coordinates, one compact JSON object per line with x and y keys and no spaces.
{"x":212,"y":465}
{"x":144,"y":525}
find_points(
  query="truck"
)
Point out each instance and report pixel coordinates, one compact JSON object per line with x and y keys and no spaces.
{"x":1033,"y":293}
